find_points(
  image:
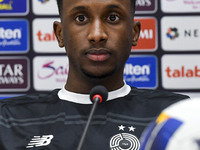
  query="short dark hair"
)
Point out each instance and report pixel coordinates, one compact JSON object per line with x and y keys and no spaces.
{"x":60,"y":4}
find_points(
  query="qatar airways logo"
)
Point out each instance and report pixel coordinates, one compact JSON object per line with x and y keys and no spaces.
{"x":146,"y":6}
{"x":11,"y":76}
{"x":14,"y":74}
{"x":50,"y":72}
{"x":141,"y":71}
{"x":143,"y":3}
{"x":181,"y":71}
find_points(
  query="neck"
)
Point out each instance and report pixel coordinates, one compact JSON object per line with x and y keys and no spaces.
{"x":84,"y":85}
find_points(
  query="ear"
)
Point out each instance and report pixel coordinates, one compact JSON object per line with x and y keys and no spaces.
{"x":58,"y":30}
{"x":136,"y":32}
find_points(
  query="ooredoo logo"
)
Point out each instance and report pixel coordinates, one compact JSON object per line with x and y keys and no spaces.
{"x":181,"y":71}
{"x":178,"y":6}
{"x":146,"y":6}
{"x":176,"y":35}
{"x":14,"y":74}
{"x":16,"y":7}
{"x":50,"y":72}
{"x":44,"y":40}
{"x":148,"y":35}
{"x":141,"y":71}
{"x":14,"y":36}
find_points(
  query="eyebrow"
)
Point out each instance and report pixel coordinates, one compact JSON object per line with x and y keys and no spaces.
{"x":87,"y":8}
{"x":80,"y":8}
{"x":113,"y":6}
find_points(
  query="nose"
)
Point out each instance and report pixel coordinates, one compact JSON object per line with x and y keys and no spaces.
{"x":97,"y":32}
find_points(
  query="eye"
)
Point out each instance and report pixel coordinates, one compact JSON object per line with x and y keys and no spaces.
{"x":81,"y":18}
{"x":113,"y":18}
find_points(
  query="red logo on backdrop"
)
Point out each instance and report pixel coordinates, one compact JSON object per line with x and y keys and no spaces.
{"x":183,"y":72}
{"x":148,"y":35}
{"x":52,"y":70}
{"x":46,"y":36}
{"x":14,"y":74}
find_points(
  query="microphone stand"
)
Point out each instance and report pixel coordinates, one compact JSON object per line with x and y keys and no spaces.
{"x":96,"y":101}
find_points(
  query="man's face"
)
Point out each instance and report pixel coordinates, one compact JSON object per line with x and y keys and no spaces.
{"x":97,"y":35}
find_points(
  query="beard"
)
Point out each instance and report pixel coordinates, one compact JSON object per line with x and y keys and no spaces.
{"x":93,"y":76}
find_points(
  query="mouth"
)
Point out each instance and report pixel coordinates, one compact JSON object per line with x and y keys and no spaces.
{"x":98,"y":54}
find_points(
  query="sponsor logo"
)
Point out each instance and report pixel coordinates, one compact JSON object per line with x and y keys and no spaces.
{"x":46,"y":36}
{"x":14,"y":74}
{"x":44,"y":39}
{"x":14,"y":36}
{"x":48,"y":70}
{"x":181,"y":74}
{"x":143,"y":2}
{"x":172,"y":33}
{"x":148,"y":35}
{"x":45,"y":7}
{"x":146,"y":6}
{"x":177,"y":6}
{"x":178,"y":35}
{"x":124,"y":141}
{"x":16,"y":7}
{"x":6,"y":6}
{"x":141,"y":71}
{"x":38,"y":141}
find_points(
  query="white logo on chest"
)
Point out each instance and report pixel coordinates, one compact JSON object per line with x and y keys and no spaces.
{"x":124,"y":141}
{"x":38,"y":141}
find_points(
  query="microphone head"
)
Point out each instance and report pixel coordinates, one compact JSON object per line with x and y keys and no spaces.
{"x":99,"y":90}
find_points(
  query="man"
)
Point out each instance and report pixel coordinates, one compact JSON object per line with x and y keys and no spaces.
{"x":97,"y":39}
{"x":98,"y":36}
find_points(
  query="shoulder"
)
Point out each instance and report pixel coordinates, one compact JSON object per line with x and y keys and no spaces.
{"x":156,"y":94}
{"x":153,"y":100}
{"x":30,"y":99}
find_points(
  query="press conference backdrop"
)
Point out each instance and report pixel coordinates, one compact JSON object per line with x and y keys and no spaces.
{"x":167,"y":56}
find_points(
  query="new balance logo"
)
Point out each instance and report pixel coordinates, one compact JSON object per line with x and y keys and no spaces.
{"x":38,"y":141}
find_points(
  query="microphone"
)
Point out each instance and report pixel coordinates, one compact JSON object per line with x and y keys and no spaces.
{"x":98,"y":94}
